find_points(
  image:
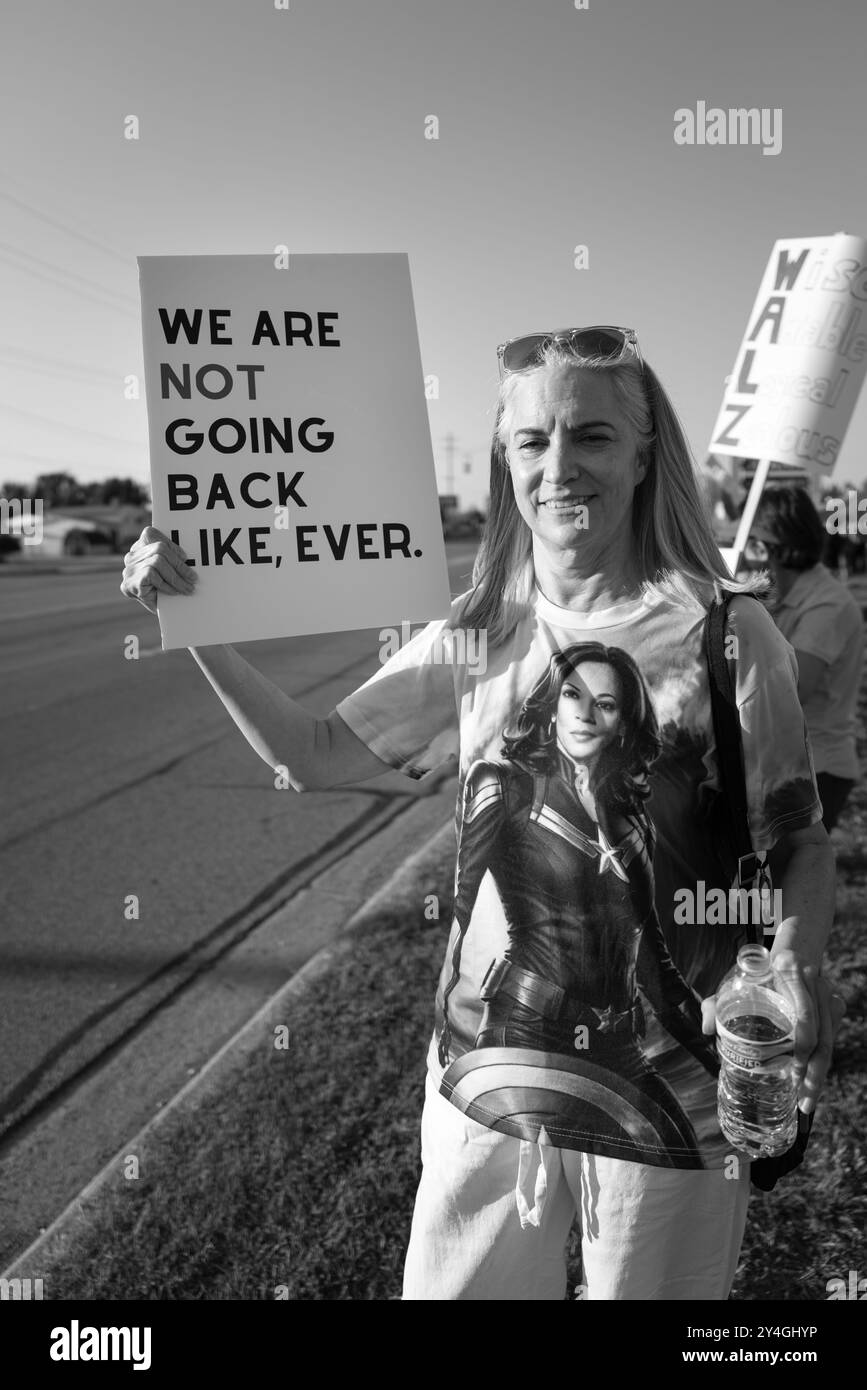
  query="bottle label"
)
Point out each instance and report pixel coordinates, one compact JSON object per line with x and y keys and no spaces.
{"x":741,"y":1053}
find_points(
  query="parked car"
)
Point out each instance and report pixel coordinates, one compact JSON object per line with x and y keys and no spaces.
{"x":67,"y":535}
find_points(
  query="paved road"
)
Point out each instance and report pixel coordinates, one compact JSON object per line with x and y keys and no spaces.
{"x":126,"y":777}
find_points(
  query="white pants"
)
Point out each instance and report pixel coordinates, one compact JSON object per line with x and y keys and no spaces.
{"x":493,"y":1215}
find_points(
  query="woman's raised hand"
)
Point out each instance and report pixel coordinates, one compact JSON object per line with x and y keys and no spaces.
{"x":155,"y":565}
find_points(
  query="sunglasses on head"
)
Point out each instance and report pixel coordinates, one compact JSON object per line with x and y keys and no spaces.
{"x":601,"y":341}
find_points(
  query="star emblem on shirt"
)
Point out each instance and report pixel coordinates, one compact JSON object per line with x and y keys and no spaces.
{"x":609,"y":1017}
{"x":609,"y":859}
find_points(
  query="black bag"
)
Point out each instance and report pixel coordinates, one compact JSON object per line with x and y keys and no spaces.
{"x":752,"y":865}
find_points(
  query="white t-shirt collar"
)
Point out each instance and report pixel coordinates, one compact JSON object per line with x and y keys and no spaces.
{"x":587,"y":618}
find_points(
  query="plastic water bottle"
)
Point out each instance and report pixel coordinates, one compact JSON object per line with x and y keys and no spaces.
{"x":755,"y":1027}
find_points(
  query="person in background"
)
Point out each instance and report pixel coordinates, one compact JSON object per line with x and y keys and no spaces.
{"x":823,"y":622}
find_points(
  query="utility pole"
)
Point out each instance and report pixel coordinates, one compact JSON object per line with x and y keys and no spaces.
{"x":450,"y":463}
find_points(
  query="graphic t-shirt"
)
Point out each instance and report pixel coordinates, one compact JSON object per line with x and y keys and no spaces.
{"x":587,"y":923}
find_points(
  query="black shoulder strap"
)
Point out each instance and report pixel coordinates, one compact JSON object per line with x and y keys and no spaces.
{"x":727,"y":734}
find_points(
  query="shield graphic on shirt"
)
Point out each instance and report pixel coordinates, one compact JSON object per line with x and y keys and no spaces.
{"x":517,"y":1091}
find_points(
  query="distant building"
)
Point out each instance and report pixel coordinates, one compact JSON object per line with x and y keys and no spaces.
{"x":86,"y":530}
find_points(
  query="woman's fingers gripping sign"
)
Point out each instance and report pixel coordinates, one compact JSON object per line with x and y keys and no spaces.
{"x":155,"y":565}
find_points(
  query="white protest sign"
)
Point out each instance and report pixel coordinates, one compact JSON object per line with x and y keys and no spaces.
{"x":800,"y":367}
{"x":289,"y":442}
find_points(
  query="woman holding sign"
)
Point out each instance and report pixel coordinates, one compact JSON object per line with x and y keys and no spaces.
{"x":593,"y":1090}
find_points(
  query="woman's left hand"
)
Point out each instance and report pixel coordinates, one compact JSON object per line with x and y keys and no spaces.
{"x":819,"y":1014}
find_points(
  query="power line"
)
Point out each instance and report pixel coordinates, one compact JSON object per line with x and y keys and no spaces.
{"x":70,"y":274}
{"x":99,"y":380}
{"x":65,"y":425}
{"x":53,"y":464}
{"x":72,"y":289}
{"x":66,"y":363}
{"x":63,"y":227}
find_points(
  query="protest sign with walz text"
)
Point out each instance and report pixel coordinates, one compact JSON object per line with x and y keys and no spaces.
{"x":289,"y":443}
{"x":800,"y":367}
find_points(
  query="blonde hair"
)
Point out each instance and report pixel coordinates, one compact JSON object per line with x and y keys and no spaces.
{"x":677,"y":555}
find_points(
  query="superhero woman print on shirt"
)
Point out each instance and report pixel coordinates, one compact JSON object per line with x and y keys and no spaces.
{"x":559,"y":821}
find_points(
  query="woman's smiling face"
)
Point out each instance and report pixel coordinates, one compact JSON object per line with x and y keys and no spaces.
{"x":570,"y":445}
{"x":589,"y":710}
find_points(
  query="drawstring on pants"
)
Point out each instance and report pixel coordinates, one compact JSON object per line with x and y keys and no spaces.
{"x":533,"y":1162}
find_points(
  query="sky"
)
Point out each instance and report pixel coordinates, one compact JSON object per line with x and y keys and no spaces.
{"x":305,"y":126}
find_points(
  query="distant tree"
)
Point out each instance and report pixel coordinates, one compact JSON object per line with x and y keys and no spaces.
{"x":59,"y":490}
{"x":125,"y":492}
{"x":64,"y":490}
